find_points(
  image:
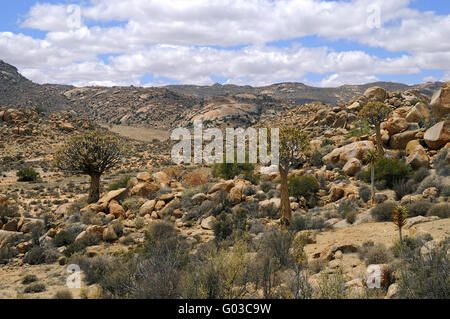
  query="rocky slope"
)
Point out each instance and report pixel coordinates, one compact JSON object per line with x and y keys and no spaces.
{"x":18,"y":92}
{"x":173,"y":106}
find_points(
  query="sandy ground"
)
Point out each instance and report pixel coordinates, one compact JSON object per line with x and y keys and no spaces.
{"x":140,"y":133}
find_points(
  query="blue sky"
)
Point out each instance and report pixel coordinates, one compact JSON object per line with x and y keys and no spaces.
{"x":152,"y":43}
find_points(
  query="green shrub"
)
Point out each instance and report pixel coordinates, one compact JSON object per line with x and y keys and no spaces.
{"x":121,"y":183}
{"x":360,"y":128}
{"x":389,"y":171}
{"x":27,"y":175}
{"x":316,"y":159}
{"x":133,"y":204}
{"x":34,"y":288}
{"x":28,"y":279}
{"x":231,"y":170}
{"x":383,"y":212}
{"x":303,"y":186}
{"x":441,"y":210}
{"x":223,"y":227}
{"x":63,"y":238}
{"x":73,"y":248}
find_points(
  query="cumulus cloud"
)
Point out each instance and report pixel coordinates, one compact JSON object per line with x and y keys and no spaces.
{"x":195,"y":41}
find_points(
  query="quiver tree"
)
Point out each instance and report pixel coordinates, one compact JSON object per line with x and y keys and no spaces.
{"x":294,"y":148}
{"x":91,"y":153}
{"x":371,"y":158}
{"x":376,"y":113}
{"x":399,"y":218}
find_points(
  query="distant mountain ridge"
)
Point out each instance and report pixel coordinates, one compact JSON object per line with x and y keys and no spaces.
{"x":178,"y":105}
{"x":16,"y":91}
{"x":301,"y":93}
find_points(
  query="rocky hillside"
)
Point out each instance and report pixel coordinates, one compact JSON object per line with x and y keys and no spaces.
{"x":300,"y":93}
{"x":172,"y":106}
{"x":18,"y":92}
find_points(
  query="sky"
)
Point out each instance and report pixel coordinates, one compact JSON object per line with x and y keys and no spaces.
{"x":244,"y":42}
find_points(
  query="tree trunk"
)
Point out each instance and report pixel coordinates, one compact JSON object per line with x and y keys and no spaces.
{"x":94,"y":190}
{"x":379,"y":141}
{"x":400,"y":234}
{"x":372,"y":182}
{"x":286,"y":213}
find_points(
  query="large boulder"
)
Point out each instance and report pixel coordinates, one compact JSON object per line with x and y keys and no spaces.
{"x":352,"y":167}
{"x":116,"y":209}
{"x":395,"y":125}
{"x":440,"y":102}
{"x":376,"y":93}
{"x":109,"y":234}
{"x":118,"y":194}
{"x":419,"y":112}
{"x":162,"y":178}
{"x":439,"y":135}
{"x":11,"y":225}
{"x":147,"y":208}
{"x":145,"y":190}
{"x":225,"y":186}
{"x":418,"y":158}
{"x":9,"y":238}
{"x":208,"y":223}
{"x":343,"y":154}
{"x":399,"y":141}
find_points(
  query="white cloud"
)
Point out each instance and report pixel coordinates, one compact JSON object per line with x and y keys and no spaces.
{"x":173,"y":39}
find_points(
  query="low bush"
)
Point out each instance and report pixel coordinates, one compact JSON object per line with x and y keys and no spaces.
{"x":365,"y":193}
{"x":223,"y":227}
{"x":74,"y":248}
{"x":374,"y":254}
{"x":419,"y":208}
{"x":63,"y":238}
{"x":231,"y":170}
{"x":303,"y":186}
{"x":389,"y":171}
{"x":426,"y":276}
{"x":421,"y":174}
{"x":404,"y":187}
{"x":34,"y":288}
{"x":383,"y":212}
{"x":6,"y":253}
{"x":441,"y":210}
{"x":63,"y":294}
{"x":41,"y":255}
{"x":28,"y":279}
{"x":121,"y":183}
{"x":307,"y":223}
{"x":27,"y":175}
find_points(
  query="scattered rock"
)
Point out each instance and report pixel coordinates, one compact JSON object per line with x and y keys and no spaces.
{"x":208,"y":223}
{"x":440,"y":102}
{"x":439,"y":135}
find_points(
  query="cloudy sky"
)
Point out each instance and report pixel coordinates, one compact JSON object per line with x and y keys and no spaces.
{"x":255,"y":42}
